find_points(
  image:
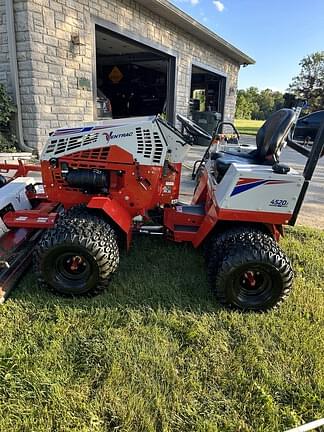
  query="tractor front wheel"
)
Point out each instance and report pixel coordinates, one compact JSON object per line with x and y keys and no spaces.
{"x":253,"y":273}
{"x":77,"y":259}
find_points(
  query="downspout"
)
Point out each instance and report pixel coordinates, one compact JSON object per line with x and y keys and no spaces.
{"x":12,"y":47}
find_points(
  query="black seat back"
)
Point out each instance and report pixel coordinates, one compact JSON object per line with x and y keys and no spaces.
{"x":3,"y":180}
{"x":271,"y":137}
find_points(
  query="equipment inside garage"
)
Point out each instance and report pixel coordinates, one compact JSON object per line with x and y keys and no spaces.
{"x":207,"y":99}
{"x":132,"y":79}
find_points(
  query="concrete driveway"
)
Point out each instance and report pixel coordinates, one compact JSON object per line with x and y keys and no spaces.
{"x":312,"y":211}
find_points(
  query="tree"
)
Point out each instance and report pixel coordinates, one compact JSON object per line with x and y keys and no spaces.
{"x":246,"y":104}
{"x":309,"y":84}
{"x":279,"y":100}
{"x":243,"y":106}
{"x":290,"y":100}
{"x":256,"y":105}
{"x":252,"y":93}
{"x":269,"y":101}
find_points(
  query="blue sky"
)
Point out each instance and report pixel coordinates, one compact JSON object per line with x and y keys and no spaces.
{"x":277,"y":34}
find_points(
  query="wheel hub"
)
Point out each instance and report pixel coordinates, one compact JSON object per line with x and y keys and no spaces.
{"x":249,"y":278}
{"x":76,"y":262}
{"x":72,"y":265}
{"x":253,"y":280}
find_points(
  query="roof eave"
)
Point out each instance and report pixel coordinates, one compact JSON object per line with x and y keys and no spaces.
{"x":173,"y":14}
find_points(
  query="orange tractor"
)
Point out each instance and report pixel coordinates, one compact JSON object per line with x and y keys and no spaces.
{"x":97,"y":185}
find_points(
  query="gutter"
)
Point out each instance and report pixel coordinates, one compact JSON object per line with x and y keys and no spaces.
{"x":12,"y":47}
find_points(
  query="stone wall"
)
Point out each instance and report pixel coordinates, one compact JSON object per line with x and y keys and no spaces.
{"x":50,"y":65}
{"x":21,"y":26}
{"x":29,"y":101}
{"x":4,"y":57}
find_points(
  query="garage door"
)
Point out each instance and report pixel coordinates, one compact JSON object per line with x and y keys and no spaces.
{"x":132,"y":79}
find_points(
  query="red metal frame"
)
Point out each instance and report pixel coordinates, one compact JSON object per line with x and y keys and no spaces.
{"x":16,"y":248}
{"x":137,"y":188}
{"x":21,"y":169}
{"x":134,"y":189}
{"x":116,"y":212}
{"x":214,"y":214}
{"x":12,"y":240}
{"x":38,"y":218}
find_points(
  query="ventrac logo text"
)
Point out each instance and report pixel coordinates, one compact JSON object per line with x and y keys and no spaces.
{"x":278,"y":203}
{"x":109,"y":136}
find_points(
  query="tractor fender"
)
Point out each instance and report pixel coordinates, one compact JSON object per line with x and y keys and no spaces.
{"x":116,"y":213}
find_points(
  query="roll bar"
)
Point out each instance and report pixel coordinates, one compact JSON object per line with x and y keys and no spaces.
{"x":216,"y":132}
{"x":220,"y":125}
{"x":313,"y":157}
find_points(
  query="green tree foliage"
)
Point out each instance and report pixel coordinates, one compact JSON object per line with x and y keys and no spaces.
{"x":7,"y":140}
{"x":258,"y":105}
{"x":309,"y":84}
{"x":269,"y":102}
{"x":6,"y":107}
{"x":244,"y":107}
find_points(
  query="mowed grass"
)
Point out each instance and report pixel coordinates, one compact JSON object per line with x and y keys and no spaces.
{"x":157,"y":353}
{"x":248,"y":127}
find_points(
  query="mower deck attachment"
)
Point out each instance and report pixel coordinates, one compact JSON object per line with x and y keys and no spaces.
{"x":21,"y":230}
{"x":16,"y":249}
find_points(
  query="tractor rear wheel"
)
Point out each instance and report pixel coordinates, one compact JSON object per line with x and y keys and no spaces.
{"x":77,"y":258}
{"x":250,"y":271}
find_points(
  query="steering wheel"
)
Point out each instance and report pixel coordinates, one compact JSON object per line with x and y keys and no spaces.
{"x":192,"y":128}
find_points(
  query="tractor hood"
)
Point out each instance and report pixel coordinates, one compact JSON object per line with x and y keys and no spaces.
{"x":148,"y":139}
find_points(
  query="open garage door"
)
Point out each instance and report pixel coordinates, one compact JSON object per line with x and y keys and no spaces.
{"x":207,"y":90}
{"x":207,"y":98}
{"x":132,"y":79}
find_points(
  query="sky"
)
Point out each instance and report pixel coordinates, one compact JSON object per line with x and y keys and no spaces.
{"x":277,"y":34}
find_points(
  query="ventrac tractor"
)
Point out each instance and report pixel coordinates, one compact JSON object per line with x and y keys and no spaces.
{"x":98,"y":185}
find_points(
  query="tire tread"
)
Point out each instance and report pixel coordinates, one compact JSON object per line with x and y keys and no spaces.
{"x":238,"y":246}
{"x":79,"y":227}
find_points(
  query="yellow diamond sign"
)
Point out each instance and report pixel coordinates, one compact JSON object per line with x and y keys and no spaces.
{"x":115,"y":75}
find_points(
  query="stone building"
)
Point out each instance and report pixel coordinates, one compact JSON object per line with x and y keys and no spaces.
{"x":64,"y":60}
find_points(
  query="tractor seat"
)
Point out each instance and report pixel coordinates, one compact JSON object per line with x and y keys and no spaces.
{"x":3,"y":180}
{"x":270,"y":140}
{"x":224,"y":162}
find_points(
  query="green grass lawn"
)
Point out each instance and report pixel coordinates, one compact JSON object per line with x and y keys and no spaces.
{"x":248,"y":127}
{"x":157,"y":353}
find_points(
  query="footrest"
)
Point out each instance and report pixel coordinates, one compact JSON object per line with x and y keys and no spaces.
{"x":184,"y":221}
{"x":30,"y":219}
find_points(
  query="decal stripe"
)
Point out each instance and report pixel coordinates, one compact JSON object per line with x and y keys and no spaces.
{"x":244,"y":187}
{"x":278,"y":182}
{"x":82,"y":129}
{"x":67,"y":131}
{"x":252,"y":183}
{"x":247,"y":180}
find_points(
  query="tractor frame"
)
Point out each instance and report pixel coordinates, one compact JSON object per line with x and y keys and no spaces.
{"x":96,"y":191}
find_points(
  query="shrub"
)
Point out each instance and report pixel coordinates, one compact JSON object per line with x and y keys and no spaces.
{"x":7,"y":108}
